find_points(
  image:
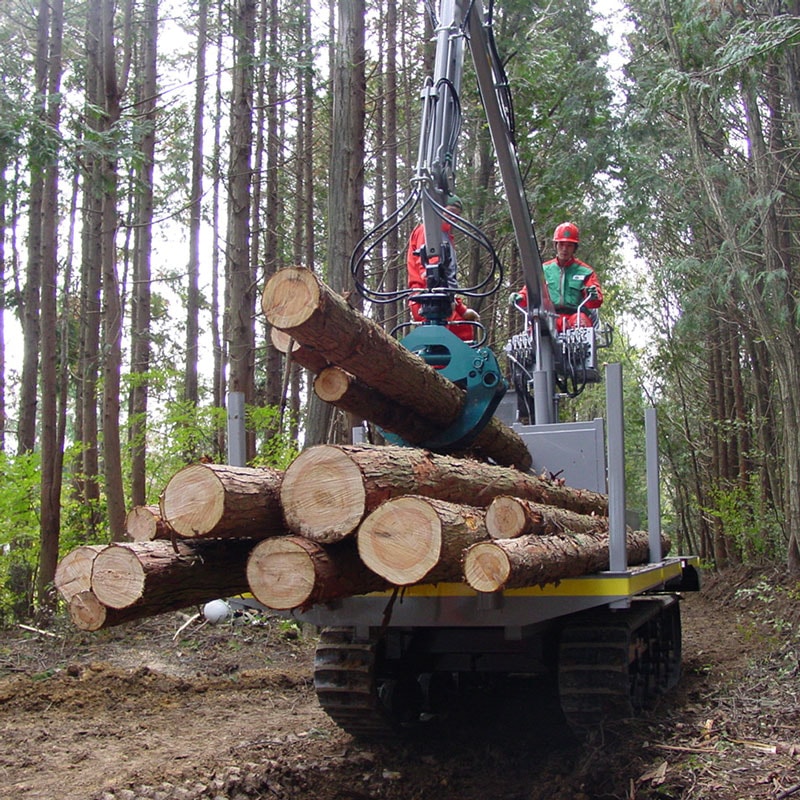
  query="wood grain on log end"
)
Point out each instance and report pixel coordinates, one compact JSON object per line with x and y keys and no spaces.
{"x":86,"y":611}
{"x":282,"y":341}
{"x":280,"y":573}
{"x":141,"y":523}
{"x":323,"y":495}
{"x":332,"y":384}
{"x":117,"y":577}
{"x":401,"y":540}
{"x":290,"y":297}
{"x":193,"y":500}
{"x":486,"y":567}
{"x":505,"y":518}
{"x":74,"y":571}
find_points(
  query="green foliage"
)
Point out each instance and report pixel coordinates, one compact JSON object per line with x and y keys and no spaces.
{"x":19,"y":530}
{"x":746,"y":522}
{"x":274,"y":446}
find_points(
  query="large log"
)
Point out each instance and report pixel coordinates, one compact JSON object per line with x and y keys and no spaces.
{"x":89,"y":614}
{"x":163,"y":576}
{"x":508,"y":517}
{"x":410,"y":539}
{"x":144,"y":523}
{"x":219,"y":501}
{"x":329,"y":489}
{"x":288,"y":572}
{"x":533,"y":560}
{"x":297,"y":302}
{"x":338,"y":387}
{"x":74,"y":571}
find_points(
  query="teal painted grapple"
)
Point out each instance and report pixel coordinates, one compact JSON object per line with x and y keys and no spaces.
{"x":474,"y":369}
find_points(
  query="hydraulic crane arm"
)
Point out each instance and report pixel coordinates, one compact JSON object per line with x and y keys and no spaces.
{"x":463,"y":21}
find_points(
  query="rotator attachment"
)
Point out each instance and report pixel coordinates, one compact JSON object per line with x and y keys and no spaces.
{"x":474,"y":369}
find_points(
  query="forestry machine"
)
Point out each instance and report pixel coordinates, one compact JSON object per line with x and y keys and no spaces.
{"x":386,"y":660}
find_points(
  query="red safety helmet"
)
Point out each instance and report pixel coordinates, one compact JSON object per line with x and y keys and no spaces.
{"x":567,"y":232}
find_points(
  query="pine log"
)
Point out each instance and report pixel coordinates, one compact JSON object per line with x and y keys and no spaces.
{"x":338,"y":387}
{"x":411,"y":538}
{"x":288,"y":572}
{"x":144,"y":523}
{"x":534,"y":560}
{"x":297,"y":302}
{"x":329,"y":489}
{"x":74,"y":571}
{"x":508,"y":517}
{"x":221,"y":501}
{"x":311,"y":360}
{"x":89,"y":614}
{"x":163,"y":576}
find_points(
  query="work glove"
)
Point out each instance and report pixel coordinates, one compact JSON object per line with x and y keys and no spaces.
{"x":515,"y":298}
{"x":592,"y":293}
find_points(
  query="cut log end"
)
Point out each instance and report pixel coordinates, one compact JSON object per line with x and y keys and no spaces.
{"x":332,"y":384}
{"x":193,"y":501}
{"x":401,"y":540}
{"x":505,"y":518}
{"x":280,"y":573}
{"x":74,"y":571}
{"x":86,"y":611}
{"x":486,"y":567}
{"x":117,"y":577}
{"x":323,"y":495}
{"x":290,"y":297}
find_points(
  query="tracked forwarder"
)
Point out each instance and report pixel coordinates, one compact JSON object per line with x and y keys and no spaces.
{"x":392,"y":660}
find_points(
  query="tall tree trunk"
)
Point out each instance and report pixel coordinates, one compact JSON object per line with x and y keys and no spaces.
{"x":91,"y":281}
{"x":190,"y":388}
{"x":242,"y":290}
{"x":50,"y":521}
{"x":31,"y":331}
{"x":112,"y":303}
{"x":141,"y":294}
{"x":346,"y":177}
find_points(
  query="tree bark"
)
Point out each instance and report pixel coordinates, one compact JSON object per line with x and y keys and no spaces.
{"x":298,"y":303}
{"x":534,"y":560}
{"x":144,"y":523}
{"x":294,"y":572}
{"x":221,"y":501}
{"x":327,"y":490}
{"x":161,"y":576}
{"x":410,"y":539}
{"x":509,"y":517}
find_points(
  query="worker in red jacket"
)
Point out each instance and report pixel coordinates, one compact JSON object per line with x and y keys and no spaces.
{"x":417,"y":279}
{"x":570,"y":281}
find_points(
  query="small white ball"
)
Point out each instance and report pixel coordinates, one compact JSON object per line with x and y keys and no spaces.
{"x":216,"y":611}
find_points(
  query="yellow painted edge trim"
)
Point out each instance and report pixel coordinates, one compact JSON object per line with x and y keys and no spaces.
{"x":600,"y":585}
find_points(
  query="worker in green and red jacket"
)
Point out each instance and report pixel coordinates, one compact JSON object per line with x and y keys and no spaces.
{"x":570,"y":281}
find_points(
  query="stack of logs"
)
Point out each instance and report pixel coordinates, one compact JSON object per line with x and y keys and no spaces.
{"x":339,"y":521}
{"x":347,"y":520}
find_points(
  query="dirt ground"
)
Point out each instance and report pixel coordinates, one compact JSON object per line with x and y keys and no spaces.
{"x":174,"y":708}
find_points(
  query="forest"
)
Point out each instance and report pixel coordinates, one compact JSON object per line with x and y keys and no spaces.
{"x":161,"y":159}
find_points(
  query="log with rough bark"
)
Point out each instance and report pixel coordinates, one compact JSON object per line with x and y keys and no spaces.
{"x":306,"y":357}
{"x":163,"y":576}
{"x":411,"y":538}
{"x":293,"y":572}
{"x":508,"y":517}
{"x":74,"y":571}
{"x":297,"y":302}
{"x":532,"y":560}
{"x":220,"y":501}
{"x":144,"y":523}
{"x":329,"y":489}
{"x":89,"y":614}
